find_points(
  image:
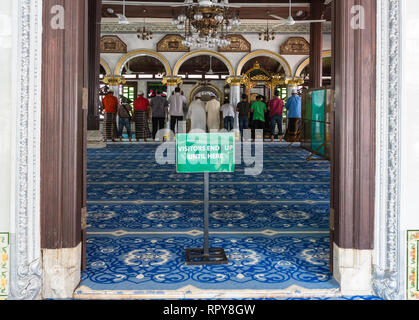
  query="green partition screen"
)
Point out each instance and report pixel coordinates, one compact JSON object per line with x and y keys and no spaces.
{"x":316,"y":115}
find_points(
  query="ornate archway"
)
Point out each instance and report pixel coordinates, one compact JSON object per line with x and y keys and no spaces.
{"x":306,"y":62}
{"x":137,"y":53}
{"x":105,"y":66}
{"x":265,"y":53}
{"x":195,"y":90}
{"x":203,"y":53}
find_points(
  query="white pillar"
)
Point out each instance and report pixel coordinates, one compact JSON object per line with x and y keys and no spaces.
{"x":235,"y":97}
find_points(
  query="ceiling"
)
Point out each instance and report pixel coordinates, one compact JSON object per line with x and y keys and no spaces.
{"x":256,"y":11}
{"x":201,"y":65}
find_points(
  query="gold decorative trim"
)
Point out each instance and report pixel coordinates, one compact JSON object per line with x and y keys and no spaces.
{"x":200,"y":53}
{"x":142,"y":52}
{"x":238,"y":44}
{"x":235,"y":81}
{"x":114,"y":81}
{"x":105,"y":65}
{"x":412,"y":265}
{"x":295,"y":46}
{"x":199,"y":85}
{"x":172,"y":43}
{"x":267,"y":53}
{"x":306,"y":62}
{"x":172,"y":81}
{"x":4,"y":265}
{"x":112,"y":44}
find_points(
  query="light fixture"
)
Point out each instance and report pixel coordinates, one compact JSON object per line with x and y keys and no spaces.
{"x":206,"y":24}
{"x":268,"y":34}
{"x":143,"y":33}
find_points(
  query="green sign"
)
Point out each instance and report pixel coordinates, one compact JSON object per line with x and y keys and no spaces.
{"x":211,"y":152}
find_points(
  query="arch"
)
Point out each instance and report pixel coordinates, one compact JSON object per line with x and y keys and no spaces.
{"x":306,"y":62}
{"x":203,"y":53}
{"x":198,"y":86}
{"x":137,"y":53}
{"x":105,"y":65}
{"x":265,"y":53}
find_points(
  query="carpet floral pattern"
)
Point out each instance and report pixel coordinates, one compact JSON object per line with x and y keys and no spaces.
{"x":142,"y":216}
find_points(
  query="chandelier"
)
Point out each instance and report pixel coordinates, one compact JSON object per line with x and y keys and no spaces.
{"x":143,"y":33}
{"x":207,"y":26}
{"x":267,"y":35}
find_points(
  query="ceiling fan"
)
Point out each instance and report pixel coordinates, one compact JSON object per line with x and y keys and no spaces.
{"x":122,"y":18}
{"x":210,"y":71}
{"x":290,"y":20}
{"x":206,"y":3}
{"x":128,"y":69}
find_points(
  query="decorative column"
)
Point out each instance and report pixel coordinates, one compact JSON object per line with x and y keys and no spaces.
{"x":235,"y":96}
{"x":293,"y":83}
{"x":94,"y":135}
{"x":95,"y":16}
{"x":316,"y":44}
{"x":172,"y":83}
{"x":62,"y":154}
{"x":353,"y":156}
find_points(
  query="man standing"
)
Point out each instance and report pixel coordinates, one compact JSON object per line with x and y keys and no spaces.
{"x":160,"y":109}
{"x":258,"y":108}
{"x":124,"y":113}
{"x":110,"y":103}
{"x":243,"y":108}
{"x":276,"y":107}
{"x":197,"y":115}
{"x":294,"y":116}
{"x":176,"y":102}
{"x":141,"y":114}
{"x":228,"y":115}
{"x":213,"y":110}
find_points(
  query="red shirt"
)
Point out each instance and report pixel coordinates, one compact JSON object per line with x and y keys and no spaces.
{"x":141,"y":104}
{"x":110,"y":103}
{"x":276,"y":106}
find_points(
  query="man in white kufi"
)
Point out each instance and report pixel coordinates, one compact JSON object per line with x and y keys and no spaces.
{"x":197,"y":115}
{"x":213,"y":110}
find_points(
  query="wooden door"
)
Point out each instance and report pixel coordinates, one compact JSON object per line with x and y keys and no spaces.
{"x":66,"y":103}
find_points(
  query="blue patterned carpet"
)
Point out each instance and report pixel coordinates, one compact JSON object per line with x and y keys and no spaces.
{"x":141,"y":217}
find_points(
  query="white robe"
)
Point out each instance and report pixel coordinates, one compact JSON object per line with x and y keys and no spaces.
{"x":213,"y":109}
{"x":197,"y":115}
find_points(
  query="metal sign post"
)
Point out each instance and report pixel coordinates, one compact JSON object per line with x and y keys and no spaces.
{"x":216,"y":154}
{"x":206,"y":255}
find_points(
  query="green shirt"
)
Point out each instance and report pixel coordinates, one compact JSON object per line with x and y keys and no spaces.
{"x":259,"y":109}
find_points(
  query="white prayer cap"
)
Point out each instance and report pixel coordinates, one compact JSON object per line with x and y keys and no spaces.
{"x":294,"y":90}
{"x":213,"y":95}
{"x":141,"y":93}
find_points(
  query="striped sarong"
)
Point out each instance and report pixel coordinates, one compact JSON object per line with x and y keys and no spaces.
{"x":142,"y":131}
{"x":293,"y":133}
{"x":109,"y":126}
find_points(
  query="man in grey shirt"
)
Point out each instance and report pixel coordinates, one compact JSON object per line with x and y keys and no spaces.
{"x":159,"y":107}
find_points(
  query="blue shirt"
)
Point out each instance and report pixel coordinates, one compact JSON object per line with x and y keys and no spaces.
{"x":294,"y":107}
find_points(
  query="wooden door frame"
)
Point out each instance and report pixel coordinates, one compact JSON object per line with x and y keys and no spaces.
{"x":63,"y":128}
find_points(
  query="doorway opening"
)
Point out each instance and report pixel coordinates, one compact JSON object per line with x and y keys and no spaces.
{"x":276,"y":227}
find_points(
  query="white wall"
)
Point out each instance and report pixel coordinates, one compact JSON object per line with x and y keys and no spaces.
{"x":410,"y":115}
{"x":6,"y":114}
{"x":409,"y":210}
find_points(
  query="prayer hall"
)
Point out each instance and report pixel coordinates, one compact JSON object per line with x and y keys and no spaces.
{"x":209,"y":149}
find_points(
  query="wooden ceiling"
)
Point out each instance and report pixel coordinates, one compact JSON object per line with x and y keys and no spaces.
{"x":201,"y":65}
{"x":301,"y":9}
